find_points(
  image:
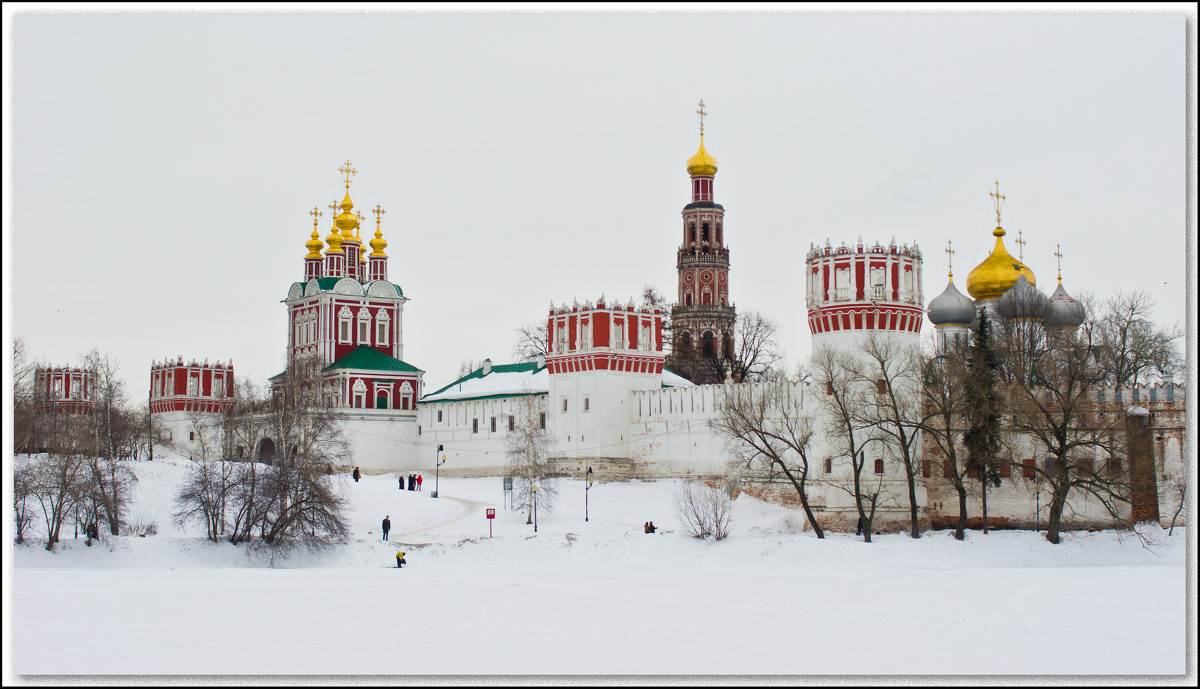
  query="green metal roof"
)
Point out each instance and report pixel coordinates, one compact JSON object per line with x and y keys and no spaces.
{"x":496,"y":368}
{"x":367,"y":358}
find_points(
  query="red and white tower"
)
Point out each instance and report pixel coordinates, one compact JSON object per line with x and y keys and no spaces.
{"x":855,"y":291}
{"x":598,"y":356}
{"x":702,"y":318}
{"x":187,"y":400}
{"x":65,"y":390}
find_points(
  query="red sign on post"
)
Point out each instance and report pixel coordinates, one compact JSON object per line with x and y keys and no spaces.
{"x":491,"y":513}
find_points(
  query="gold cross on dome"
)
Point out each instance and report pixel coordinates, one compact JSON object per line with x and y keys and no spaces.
{"x":702,"y":114}
{"x":378,"y":211}
{"x":950,"y":259}
{"x":1058,"y":255}
{"x":1020,"y":247}
{"x":333,"y":207}
{"x":996,"y":195}
{"x":315,"y":214}
{"x":348,"y":171}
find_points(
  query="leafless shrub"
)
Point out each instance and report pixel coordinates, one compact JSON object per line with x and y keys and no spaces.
{"x":704,"y":510}
{"x":142,"y":525}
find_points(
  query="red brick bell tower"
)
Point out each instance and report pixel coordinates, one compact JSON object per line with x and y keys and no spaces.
{"x":702,"y":318}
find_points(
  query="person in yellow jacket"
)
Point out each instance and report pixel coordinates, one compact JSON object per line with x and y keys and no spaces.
{"x":400,"y":561}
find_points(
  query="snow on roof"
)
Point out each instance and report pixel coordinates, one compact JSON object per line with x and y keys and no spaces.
{"x":495,"y":383}
{"x":525,"y":381}
{"x":674,"y":380}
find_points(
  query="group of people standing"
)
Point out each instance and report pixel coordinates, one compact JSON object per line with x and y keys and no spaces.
{"x":414,"y":482}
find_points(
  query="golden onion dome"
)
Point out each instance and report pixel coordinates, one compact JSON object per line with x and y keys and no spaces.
{"x":335,"y":241}
{"x":378,"y":244}
{"x":702,"y":164}
{"x":347,"y":221}
{"x":998,"y":272}
{"x":314,"y":245}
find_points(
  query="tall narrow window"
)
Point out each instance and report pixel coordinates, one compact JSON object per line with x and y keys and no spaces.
{"x":382,"y":326}
{"x":512,"y":422}
{"x":344,"y":325}
{"x":474,"y":425}
{"x":493,"y":424}
{"x":542,"y":421}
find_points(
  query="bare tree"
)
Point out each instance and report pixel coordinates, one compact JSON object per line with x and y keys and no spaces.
{"x":841,"y":405}
{"x":1049,"y":379}
{"x":704,"y":510}
{"x":894,"y":410}
{"x":750,"y":353}
{"x":652,"y":297}
{"x":25,"y":412}
{"x":58,"y":485}
{"x":301,"y":505}
{"x":769,"y":434}
{"x":528,"y":446}
{"x":466,"y":366}
{"x":945,"y":384}
{"x":1132,"y":347}
{"x":532,"y":341}
{"x":24,"y":477}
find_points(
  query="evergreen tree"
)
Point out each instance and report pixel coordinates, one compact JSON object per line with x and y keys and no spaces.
{"x":981,"y":403}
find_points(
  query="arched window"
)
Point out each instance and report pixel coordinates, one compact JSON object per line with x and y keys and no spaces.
{"x":708,"y":347}
{"x":685,"y":344}
{"x":879,"y":466}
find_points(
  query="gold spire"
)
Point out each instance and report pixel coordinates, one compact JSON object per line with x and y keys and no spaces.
{"x":1020,"y":247}
{"x":702,"y":164}
{"x":346,"y":221}
{"x":1058,"y":255}
{"x":334,"y":240}
{"x":379,"y":243}
{"x":315,"y":244}
{"x":996,"y":196}
{"x":950,"y":260}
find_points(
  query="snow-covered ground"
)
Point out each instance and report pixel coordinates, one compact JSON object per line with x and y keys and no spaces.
{"x":592,"y":598}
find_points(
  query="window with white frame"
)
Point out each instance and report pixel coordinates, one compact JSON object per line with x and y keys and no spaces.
{"x":193,"y":387}
{"x":644,"y":340}
{"x":364,"y":327}
{"x":618,"y":335}
{"x":382,"y":322}
{"x":344,"y":319}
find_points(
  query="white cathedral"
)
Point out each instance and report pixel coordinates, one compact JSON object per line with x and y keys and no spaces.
{"x":603,"y":393}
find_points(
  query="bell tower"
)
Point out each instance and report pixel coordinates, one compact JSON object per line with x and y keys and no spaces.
{"x":702,"y":318}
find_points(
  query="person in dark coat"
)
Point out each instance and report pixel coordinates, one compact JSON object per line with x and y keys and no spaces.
{"x":653,"y":528}
{"x":401,"y":483}
{"x":400,"y":561}
{"x":412,"y":482}
{"x":387,"y":526}
{"x":859,"y":532}
{"x":356,"y":474}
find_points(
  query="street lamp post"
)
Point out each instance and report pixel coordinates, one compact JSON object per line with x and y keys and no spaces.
{"x":439,"y":460}
{"x":585,"y":494}
{"x":534,"y":489}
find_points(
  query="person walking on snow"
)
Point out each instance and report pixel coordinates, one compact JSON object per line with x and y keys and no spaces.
{"x":401,"y":483}
{"x":356,"y":474}
{"x":419,"y":481}
{"x":387,"y":526}
{"x":400,"y":561}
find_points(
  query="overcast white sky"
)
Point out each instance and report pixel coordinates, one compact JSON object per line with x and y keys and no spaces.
{"x":162,"y":166}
